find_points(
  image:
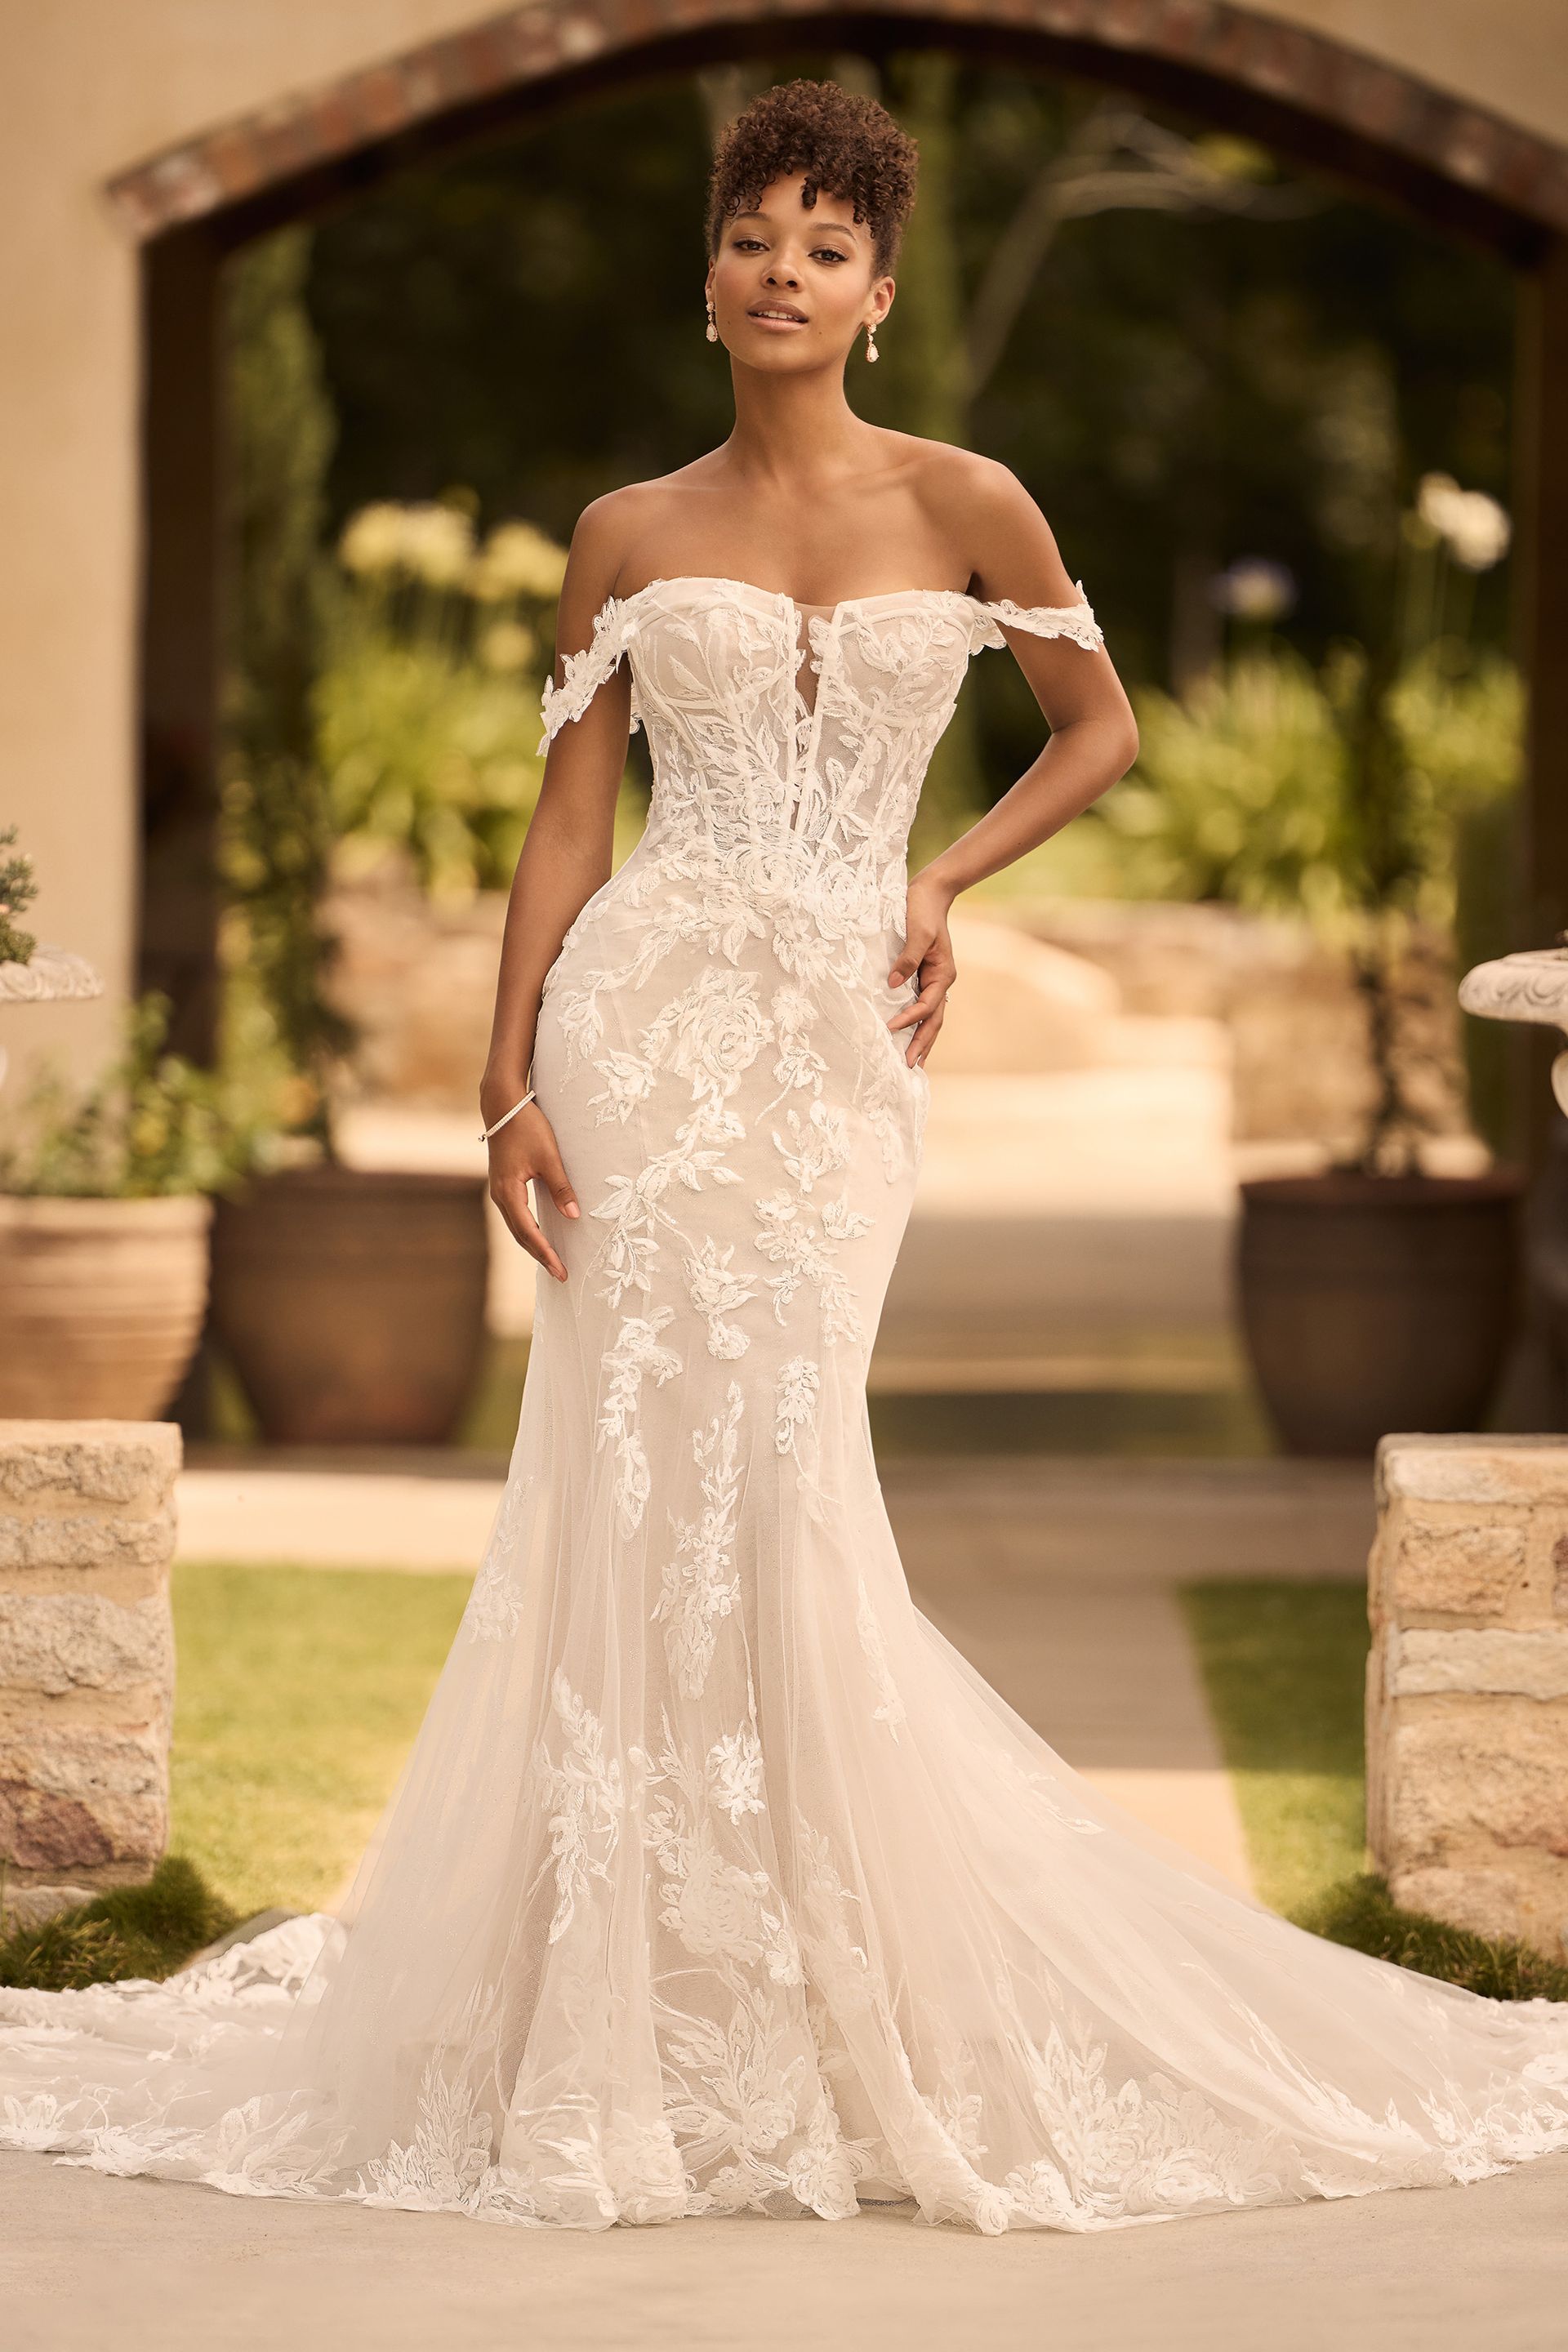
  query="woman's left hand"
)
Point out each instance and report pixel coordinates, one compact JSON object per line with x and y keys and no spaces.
{"x":928,"y":957}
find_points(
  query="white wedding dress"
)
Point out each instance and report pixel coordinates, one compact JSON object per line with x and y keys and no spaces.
{"x":717,"y":1879}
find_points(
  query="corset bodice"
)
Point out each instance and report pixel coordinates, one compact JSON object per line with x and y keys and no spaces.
{"x":789,"y":742}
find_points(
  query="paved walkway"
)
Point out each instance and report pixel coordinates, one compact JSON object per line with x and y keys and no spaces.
{"x":151,"y":2267}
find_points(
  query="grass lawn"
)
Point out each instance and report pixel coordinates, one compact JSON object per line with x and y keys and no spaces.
{"x":299,"y":1693}
{"x":1284,"y":1667}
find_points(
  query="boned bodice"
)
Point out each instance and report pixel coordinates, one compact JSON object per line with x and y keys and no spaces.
{"x":791,"y":742}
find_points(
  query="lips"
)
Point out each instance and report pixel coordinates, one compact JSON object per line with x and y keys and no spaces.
{"x":777,"y":314}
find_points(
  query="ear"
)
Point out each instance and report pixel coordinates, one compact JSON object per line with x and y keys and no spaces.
{"x":882,"y":292}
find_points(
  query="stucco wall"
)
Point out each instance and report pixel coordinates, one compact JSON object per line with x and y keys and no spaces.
{"x":1508,"y":55}
{"x":90,"y":87}
{"x":87,"y":87}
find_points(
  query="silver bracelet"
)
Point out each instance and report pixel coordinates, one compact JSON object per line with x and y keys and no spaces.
{"x":510,"y":1114}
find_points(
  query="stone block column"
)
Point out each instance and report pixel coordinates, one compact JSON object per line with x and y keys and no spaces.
{"x":1466,"y":1714}
{"x":87,"y":1653}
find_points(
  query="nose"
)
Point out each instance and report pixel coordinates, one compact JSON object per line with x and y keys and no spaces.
{"x":782,"y":271}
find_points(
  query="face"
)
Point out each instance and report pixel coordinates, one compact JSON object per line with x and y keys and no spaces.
{"x":792,"y":285}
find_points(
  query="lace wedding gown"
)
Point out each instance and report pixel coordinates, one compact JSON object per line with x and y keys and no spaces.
{"x":717,"y":1879}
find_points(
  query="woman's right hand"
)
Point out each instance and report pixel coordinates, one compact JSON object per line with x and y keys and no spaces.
{"x":526,"y":1148}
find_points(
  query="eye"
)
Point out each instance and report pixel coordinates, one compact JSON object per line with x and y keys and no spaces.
{"x":748,"y":244}
{"x":828,"y":253}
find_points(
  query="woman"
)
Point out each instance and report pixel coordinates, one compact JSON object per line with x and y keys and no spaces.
{"x":717,"y":1879}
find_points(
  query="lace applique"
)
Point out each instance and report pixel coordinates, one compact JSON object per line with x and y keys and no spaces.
{"x":441,"y":2167}
{"x":700,"y":1583}
{"x":889,"y":1706}
{"x":494,"y":1609}
{"x":717,"y":1290}
{"x":582,"y":674}
{"x":586,"y":1788}
{"x":636,"y":1353}
{"x":794,"y":1424}
{"x":1076,"y":622}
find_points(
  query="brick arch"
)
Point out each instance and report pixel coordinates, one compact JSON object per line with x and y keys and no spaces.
{"x":1327,"y":102}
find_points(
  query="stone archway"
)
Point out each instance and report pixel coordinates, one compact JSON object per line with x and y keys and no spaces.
{"x":1379,"y":123}
{"x":1329,"y":106}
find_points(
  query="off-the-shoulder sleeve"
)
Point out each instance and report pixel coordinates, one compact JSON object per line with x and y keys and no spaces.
{"x":585,"y":673}
{"x":1074,"y":621}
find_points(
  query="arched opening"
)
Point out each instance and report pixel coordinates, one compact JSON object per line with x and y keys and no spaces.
{"x":1311,"y":99}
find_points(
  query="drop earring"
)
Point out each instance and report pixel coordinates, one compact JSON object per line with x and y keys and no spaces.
{"x":872,"y":353}
{"x":712,"y":322}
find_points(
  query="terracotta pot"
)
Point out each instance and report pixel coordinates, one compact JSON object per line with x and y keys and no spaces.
{"x":350,"y":1303}
{"x":1377,"y":1303}
{"x":100,"y":1305}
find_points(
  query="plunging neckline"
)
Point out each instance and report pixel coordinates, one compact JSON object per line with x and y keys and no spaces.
{"x":807,"y":618}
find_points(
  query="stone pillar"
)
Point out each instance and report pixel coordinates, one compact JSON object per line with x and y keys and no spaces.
{"x":86,"y":1654}
{"x":1466,"y":1714}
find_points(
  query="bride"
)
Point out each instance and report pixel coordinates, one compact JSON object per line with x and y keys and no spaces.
{"x":717,"y":1879}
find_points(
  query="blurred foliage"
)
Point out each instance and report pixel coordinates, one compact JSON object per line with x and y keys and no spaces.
{"x":17,"y":889}
{"x":427,"y":707}
{"x":150,"y":1123}
{"x":1345,"y":793}
{"x":277,"y":823}
{"x":1179,"y":387}
{"x":1223,"y":379}
{"x":1246,"y":787}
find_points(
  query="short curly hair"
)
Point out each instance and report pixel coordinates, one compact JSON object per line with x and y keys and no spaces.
{"x":841,"y":143}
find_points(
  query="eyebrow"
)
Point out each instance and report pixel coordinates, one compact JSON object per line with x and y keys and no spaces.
{"x":841,"y":228}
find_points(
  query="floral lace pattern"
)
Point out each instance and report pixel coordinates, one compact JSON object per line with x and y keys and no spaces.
{"x":716,"y":1881}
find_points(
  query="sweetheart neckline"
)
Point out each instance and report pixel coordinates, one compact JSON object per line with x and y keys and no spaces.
{"x":796,"y":604}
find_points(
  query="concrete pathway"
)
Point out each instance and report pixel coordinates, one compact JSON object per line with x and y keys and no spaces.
{"x":147,"y":2266}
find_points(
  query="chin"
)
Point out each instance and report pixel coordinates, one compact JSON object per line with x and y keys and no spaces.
{"x":771,"y":355}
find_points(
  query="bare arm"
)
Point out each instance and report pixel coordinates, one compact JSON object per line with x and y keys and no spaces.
{"x":566,"y":856}
{"x":1093,"y":738}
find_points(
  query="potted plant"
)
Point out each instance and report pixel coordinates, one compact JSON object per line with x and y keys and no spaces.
{"x":104,"y":1212}
{"x":1376,"y":1293}
{"x":349,"y":1301}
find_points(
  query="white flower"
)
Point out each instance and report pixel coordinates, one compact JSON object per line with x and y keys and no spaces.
{"x":517,"y":561}
{"x":1476,"y":528}
{"x":435,"y":543}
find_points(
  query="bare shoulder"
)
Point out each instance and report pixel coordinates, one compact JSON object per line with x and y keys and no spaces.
{"x":624,"y":535}
{"x":983,"y":512}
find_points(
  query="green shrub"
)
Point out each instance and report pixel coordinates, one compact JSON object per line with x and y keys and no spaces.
{"x":17,"y":889}
{"x":152,"y":1124}
{"x":130,"y":1931}
{"x":1361,"y":1912}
